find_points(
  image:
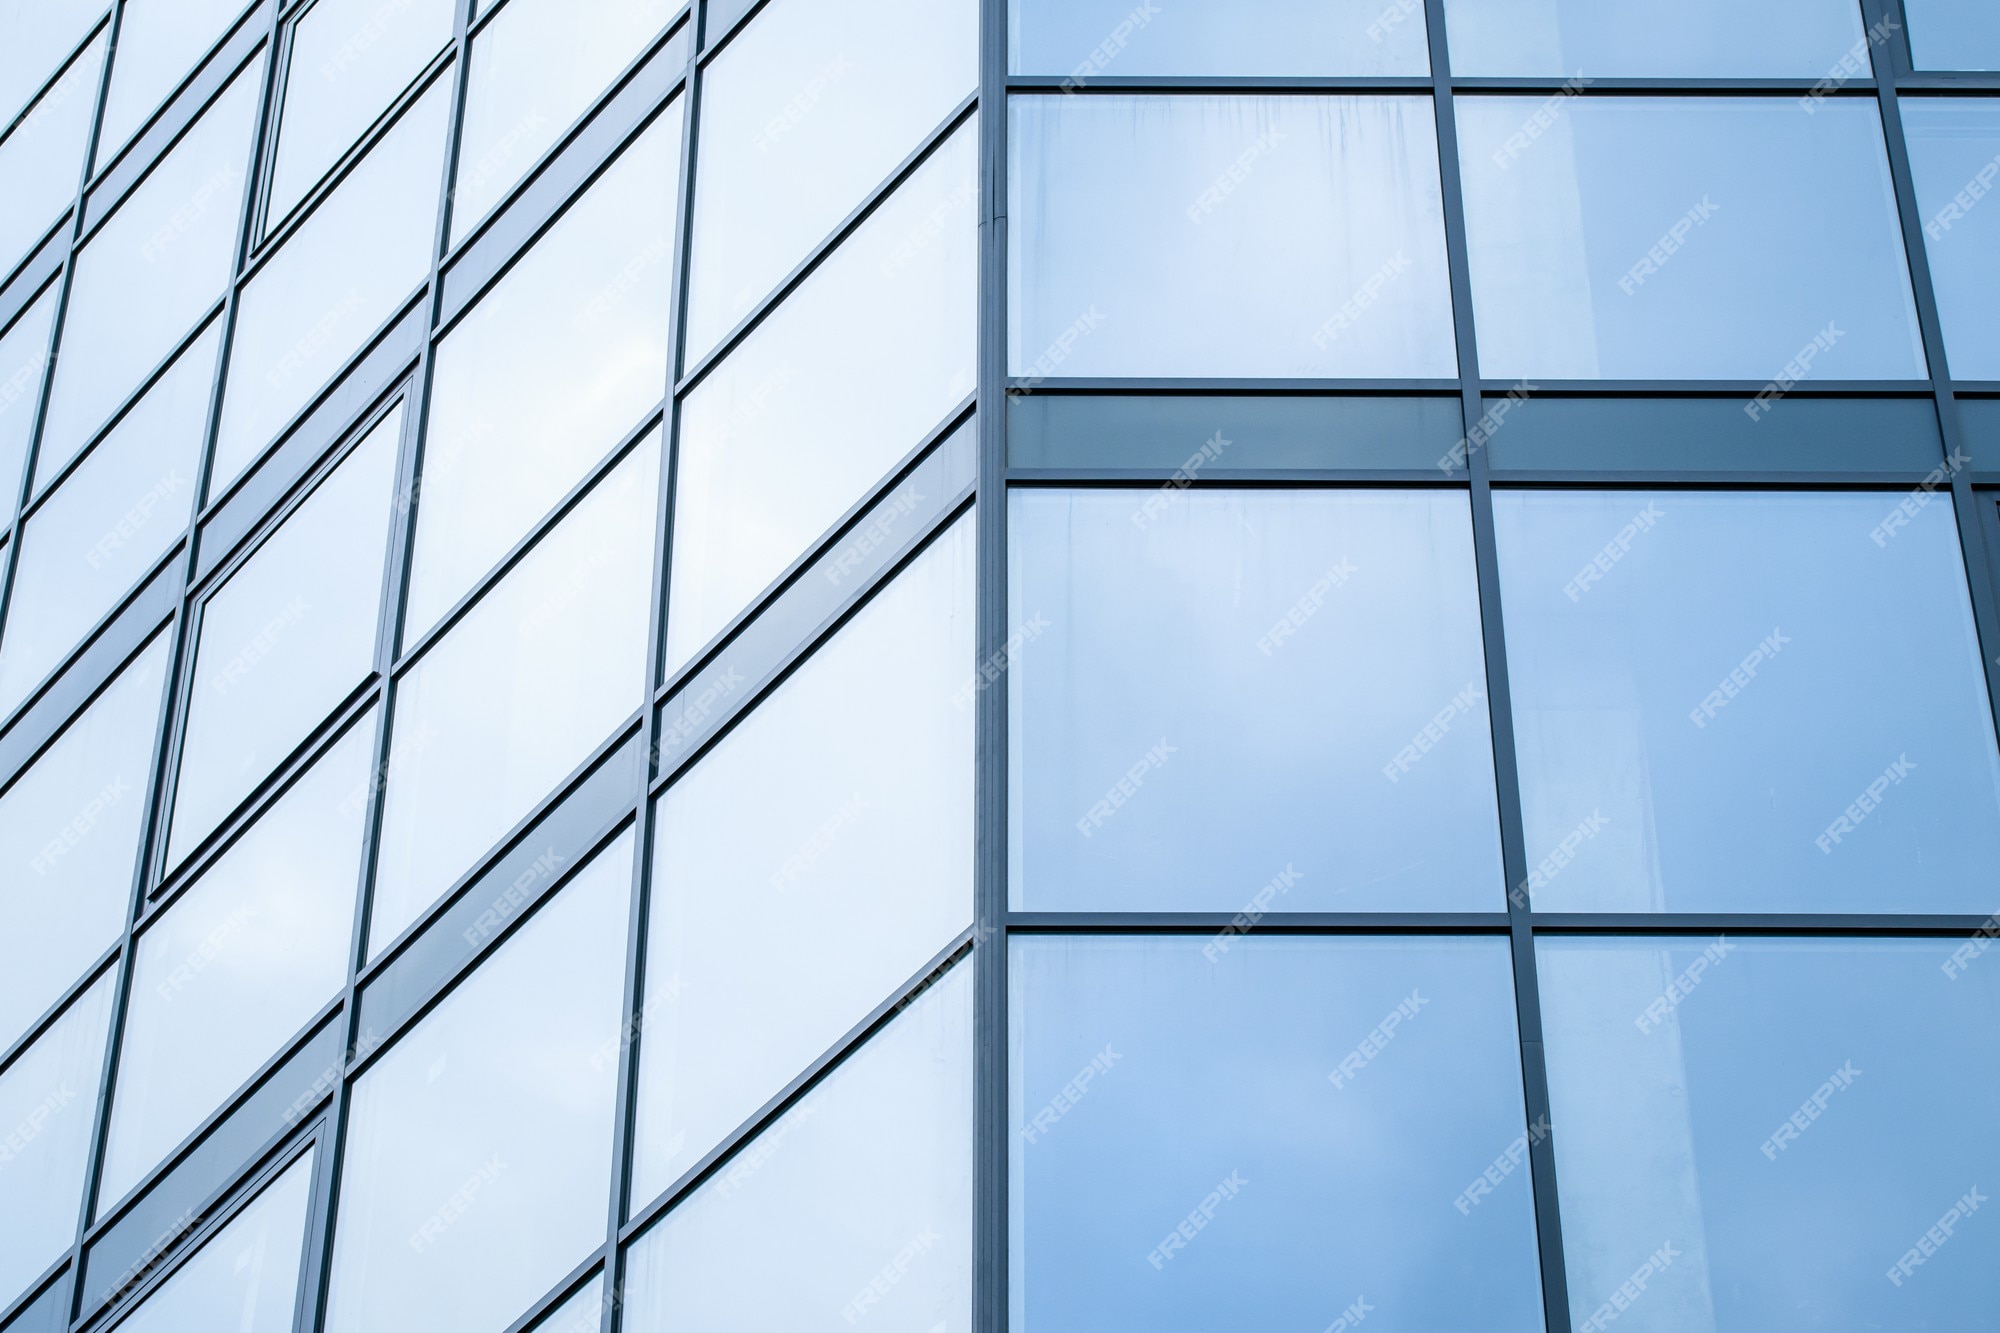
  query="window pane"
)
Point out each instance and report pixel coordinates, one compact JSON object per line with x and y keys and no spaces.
{"x":1217,"y":691}
{"x":535,"y":677}
{"x":112,"y":519}
{"x":534,"y":70}
{"x":1307,"y":1111}
{"x":581,"y":1313}
{"x":238,"y":964}
{"x":24,"y":350}
{"x":40,"y":35}
{"x":1160,"y":236}
{"x":1659,"y":238}
{"x":159,"y":44}
{"x":349,"y":60}
{"x":1955,"y":158}
{"x":1955,"y":34}
{"x":554,"y":367}
{"x":1091,"y":39}
{"x":805,"y":869}
{"x":804,"y":113}
{"x":69,"y":830}
{"x":479,"y":1148}
{"x":1790,"y":1116}
{"x":286,"y":639}
{"x":339,"y":277}
{"x":149,"y":273}
{"x":246,"y":1279}
{"x":42,"y":160}
{"x":1815,"y":738}
{"x":1703,"y":39}
{"x":47,"y":1099}
{"x":856,"y":1203}
{"x":785,"y":436}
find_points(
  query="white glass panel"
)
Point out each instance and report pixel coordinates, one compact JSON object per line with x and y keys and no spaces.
{"x":1086,"y":40}
{"x":40,"y":35}
{"x":24,"y":351}
{"x":159,"y":44}
{"x":1697,"y":39}
{"x":42,"y":160}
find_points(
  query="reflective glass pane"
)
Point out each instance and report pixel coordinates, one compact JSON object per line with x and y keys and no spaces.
{"x":1266,"y":1138}
{"x":349,"y":268}
{"x":286,"y":638}
{"x":1156,"y":236}
{"x":1213,"y":694}
{"x":239,"y":963}
{"x":148,"y":274}
{"x":159,"y":44}
{"x":1742,"y":703}
{"x":479,"y":1146}
{"x":108,"y":523}
{"x":47,"y":1099}
{"x":349,"y":60}
{"x":805,"y":112}
{"x":1090,"y":39}
{"x":805,"y":869}
{"x":534,"y":70}
{"x":556,"y":365}
{"x":246,"y":1279}
{"x":853,"y":1209}
{"x":518,"y":694}
{"x":41,"y":161}
{"x":1794,"y":1121}
{"x":1955,"y":34}
{"x":1660,"y":238}
{"x":40,"y":35}
{"x":785,"y":436}
{"x":69,"y":838}
{"x":1955,"y":159}
{"x":581,"y":1313}
{"x":1699,"y":39}
{"x":24,"y":350}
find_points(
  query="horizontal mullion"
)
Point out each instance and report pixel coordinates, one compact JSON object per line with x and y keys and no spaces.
{"x":1912,"y":388}
{"x":1247,"y":478}
{"x":1975,"y":84}
{"x":1712,"y":480}
{"x":1357,"y":83}
{"x":1890,"y":924}
{"x":1021,"y":387}
{"x":1272,"y":923}
{"x":1590,"y":85}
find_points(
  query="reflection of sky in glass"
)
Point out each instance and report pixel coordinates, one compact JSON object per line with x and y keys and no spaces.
{"x":1955,"y":150}
{"x":1088,"y":39}
{"x":1700,"y":39}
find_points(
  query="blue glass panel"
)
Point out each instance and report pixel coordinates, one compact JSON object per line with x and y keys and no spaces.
{"x":1955,"y":34}
{"x":1955,"y":158}
{"x":1699,"y":39}
{"x":1090,"y":39}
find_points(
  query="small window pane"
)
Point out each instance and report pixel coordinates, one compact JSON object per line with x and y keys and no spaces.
{"x":785,"y":436}
{"x":70,"y":833}
{"x":41,"y":161}
{"x":1693,"y":738}
{"x":534,"y":70}
{"x":1702,"y":39}
{"x":159,"y":44}
{"x":356,"y":259}
{"x":110,"y":521}
{"x":1306,"y":1110}
{"x":519,"y":693}
{"x":48,"y":1097}
{"x":555,"y":366}
{"x":1160,"y":236}
{"x":286,"y":639}
{"x":1091,"y":39}
{"x":40,"y":36}
{"x":349,"y":60}
{"x":1659,"y":238}
{"x":1955,"y":34}
{"x":24,"y":351}
{"x":581,"y":1313}
{"x":857,"y":1201}
{"x":1793,"y":1117}
{"x":805,"y":112}
{"x":1955,"y":158}
{"x":149,"y":273}
{"x":239,"y":963}
{"x":246,"y":1279}
{"x":805,"y":869}
{"x":1218,"y":691}
{"x":479,"y":1147}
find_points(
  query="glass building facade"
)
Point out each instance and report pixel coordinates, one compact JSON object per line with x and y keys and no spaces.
{"x":946,"y":665}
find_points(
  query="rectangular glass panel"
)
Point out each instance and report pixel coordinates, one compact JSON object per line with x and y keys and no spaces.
{"x":1660,"y":238}
{"x":1955,"y":159}
{"x":1166,"y":236}
{"x":1792,"y":1117}
{"x":581,"y":1313}
{"x":24,"y":351}
{"x":1267,"y":1138}
{"x":1217,"y":695}
{"x":1090,"y":39}
{"x":804,"y":113}
{"x":1698,"y":39}
{"x":41,"y":160}
{"x":1955,"y":34}
{"x":1763,"y":702}
{"x":41,"y":34}
{"x":159,"y":44}
{"x":787,"y":434}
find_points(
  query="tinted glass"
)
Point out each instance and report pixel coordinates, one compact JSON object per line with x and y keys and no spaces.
{"x":41,"y":160}
{"x":1212,"y":692}
{"x":855,"y":1206}
{"x":1797,"y":1121}
{"x":41,"y":34}
{"x":159,"y":44}
{"x":1659,"y":238}
{"x":1955,"y":159}
{"x":551,"y":659}
{"x":1702,"y":39}
{"x":1160,"y":236}
{"x":804,"y":113}
{"x":784,"y":437}
{"x":805,"y":870}
{"x":581,"y":1313}
{"x":479,"y":1149}
{"x":1814,"y":736}
{"x":1954,"y":34}
{"x":286,"y":638}
{"x":24,"y":351}
{"x":1114,"y":38}
{"x":1265,"y":1138}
